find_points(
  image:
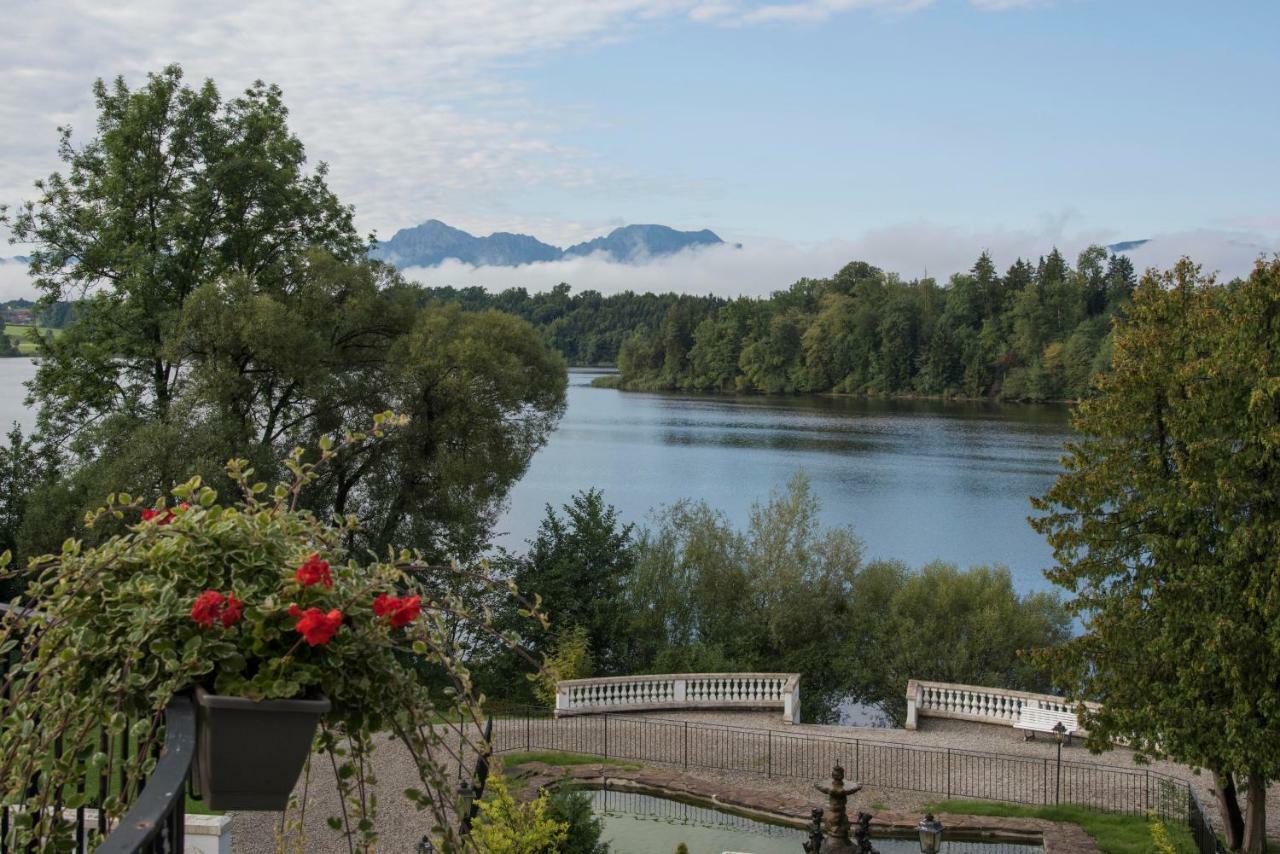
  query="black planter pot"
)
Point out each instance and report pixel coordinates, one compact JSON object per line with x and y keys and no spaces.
{"x":249,"y":754}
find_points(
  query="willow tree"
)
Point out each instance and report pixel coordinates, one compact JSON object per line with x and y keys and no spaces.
{"x":1166,"y":528}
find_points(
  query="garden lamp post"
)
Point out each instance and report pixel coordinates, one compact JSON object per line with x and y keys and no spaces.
{"x":1060,"y":733}
{"x":466,"y":797}
{"x":930,"y":834}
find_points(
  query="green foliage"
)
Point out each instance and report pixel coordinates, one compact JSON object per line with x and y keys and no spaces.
{"x":241,"y":318}
{"x":1035,"y":333}
{"x":558,"y":758}
{"x":682,"y":849}
{"x":578,"y":563}
{"x":573,"y":808}
{"x":1165,"y":526}
{"x":587,"y":328}
{"x":786,"y":594}
{"x":570,"y":658}
{"x":1114,"y":833}
{"x":951,"y":625}
{"x":507,"y":826}
{"x":129,"y":609}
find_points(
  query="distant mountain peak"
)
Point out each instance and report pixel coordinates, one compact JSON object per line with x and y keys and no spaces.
{"x":433,"y":242}
{"x":1127,"y":245}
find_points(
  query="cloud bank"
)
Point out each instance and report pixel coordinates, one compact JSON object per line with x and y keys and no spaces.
{"x":762,"y":266}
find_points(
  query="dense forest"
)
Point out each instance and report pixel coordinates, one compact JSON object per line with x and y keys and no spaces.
{"x":587,"y":328}
{"x":1038,"y":332}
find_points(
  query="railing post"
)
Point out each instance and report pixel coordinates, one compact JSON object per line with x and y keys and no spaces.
{"x":948,"y":773}
{"x":686,"y":745}
{"x":1046,"y":782}
{"x":606,"y":736}
{"x":913,"y":693}
{"x":528,"y":734}
{"x":768,"y":766}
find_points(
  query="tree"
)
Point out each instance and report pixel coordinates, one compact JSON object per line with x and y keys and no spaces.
{"x":981,"y":641}
{"x":578,"y":563}
{"x":229,"y":310}
{"x":177,"y":189}
{"x":573,"y":808}
{"x":1165,"y":526}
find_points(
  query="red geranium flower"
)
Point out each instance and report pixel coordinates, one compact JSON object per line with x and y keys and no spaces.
{"x":207,"y":608}
{"x":211,"y":607}
{"x":232,"y":611}
{"x":316,"y":627}
{"x":314,"y":571}
{"x":402,"y":611}
{"x":163,"y":516}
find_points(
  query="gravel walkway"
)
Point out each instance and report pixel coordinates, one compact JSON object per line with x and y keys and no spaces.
{"x":760,"y":751}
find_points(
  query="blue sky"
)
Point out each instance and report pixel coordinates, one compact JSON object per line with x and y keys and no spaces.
{"x":914,"y":133}
{"x":1137,"y":117}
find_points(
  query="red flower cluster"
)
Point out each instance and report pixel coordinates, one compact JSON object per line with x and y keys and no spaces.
{"x":314,"y":571}
{"x":401,"y":611}
{"x":164,"y":516}
{"x":212,"y":607}
{"x":316,"y":627}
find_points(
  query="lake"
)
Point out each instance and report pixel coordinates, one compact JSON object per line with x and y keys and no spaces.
{"x":917,"y":480}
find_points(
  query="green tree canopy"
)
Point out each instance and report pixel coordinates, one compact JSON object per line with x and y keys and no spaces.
{"x":1166,"y":528}
{"x":227,"y":309}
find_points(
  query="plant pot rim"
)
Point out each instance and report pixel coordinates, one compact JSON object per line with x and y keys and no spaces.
{"x":317,"y":705}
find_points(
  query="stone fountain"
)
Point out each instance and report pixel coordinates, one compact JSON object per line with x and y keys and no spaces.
{"x":831,"y":831}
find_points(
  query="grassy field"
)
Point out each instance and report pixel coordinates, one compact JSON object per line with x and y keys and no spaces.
{"x":20,"y":335}
{"x":1114,"y":834}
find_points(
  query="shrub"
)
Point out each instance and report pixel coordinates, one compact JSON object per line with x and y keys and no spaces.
{"x":255,"y":598}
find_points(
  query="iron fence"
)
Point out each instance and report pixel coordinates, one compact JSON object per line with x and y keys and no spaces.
{"x":156,"y":817}
{"x":948,"y":772}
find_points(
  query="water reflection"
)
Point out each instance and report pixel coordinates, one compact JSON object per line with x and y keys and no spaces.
{"x":640,"y":824}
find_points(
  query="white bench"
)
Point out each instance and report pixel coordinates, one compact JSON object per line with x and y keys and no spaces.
{"x":1034,"y":718}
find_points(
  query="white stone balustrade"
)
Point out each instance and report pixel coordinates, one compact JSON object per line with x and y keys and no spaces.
{"x":681,"y":691}
{"x":974,"y":703}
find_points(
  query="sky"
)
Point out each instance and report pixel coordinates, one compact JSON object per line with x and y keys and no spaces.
{"x":911,"y":133}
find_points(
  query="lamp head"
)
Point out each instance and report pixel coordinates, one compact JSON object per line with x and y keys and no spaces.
{"x":930,"y":830}
{"x":1060,"y":731}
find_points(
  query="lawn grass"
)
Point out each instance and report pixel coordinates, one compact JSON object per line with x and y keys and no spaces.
{"x":19,"y":333}
{"x":557,"y":758}
{"x":1113,"y":833}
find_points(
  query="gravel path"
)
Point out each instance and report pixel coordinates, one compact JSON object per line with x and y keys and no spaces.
{"x":902,"y":770}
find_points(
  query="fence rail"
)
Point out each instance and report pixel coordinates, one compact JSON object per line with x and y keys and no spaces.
{"x":947,"y":772}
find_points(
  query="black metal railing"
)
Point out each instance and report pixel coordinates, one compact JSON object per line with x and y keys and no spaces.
{"x":156,"y":820}
{"x":948,"y":772}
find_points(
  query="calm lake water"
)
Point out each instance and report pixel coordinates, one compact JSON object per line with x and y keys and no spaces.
{"x":917,"y":480}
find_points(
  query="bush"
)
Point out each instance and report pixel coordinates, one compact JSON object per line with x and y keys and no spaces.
{"x":573,"y":808}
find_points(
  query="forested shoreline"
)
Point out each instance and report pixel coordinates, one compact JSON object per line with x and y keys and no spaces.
{"x":1039,"y":332}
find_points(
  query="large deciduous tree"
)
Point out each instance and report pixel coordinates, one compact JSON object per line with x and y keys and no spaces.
{"x":229,"y":310}
{"x":1166,"y":528}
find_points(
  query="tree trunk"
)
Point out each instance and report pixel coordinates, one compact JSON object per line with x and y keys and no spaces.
{"x":1255,"y":816}
{"x":1229,"y":808}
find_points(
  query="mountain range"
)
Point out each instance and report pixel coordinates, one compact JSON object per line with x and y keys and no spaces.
{"x":432,"y":242}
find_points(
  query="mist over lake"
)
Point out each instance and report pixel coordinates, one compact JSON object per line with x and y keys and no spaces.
{"x":918,"y":480}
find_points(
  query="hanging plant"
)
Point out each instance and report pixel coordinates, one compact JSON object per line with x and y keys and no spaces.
{"x":254,"y":605}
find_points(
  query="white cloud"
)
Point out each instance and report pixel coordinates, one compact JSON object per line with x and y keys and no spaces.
{"x":415,"y":106}
{"x":910,"y":249}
